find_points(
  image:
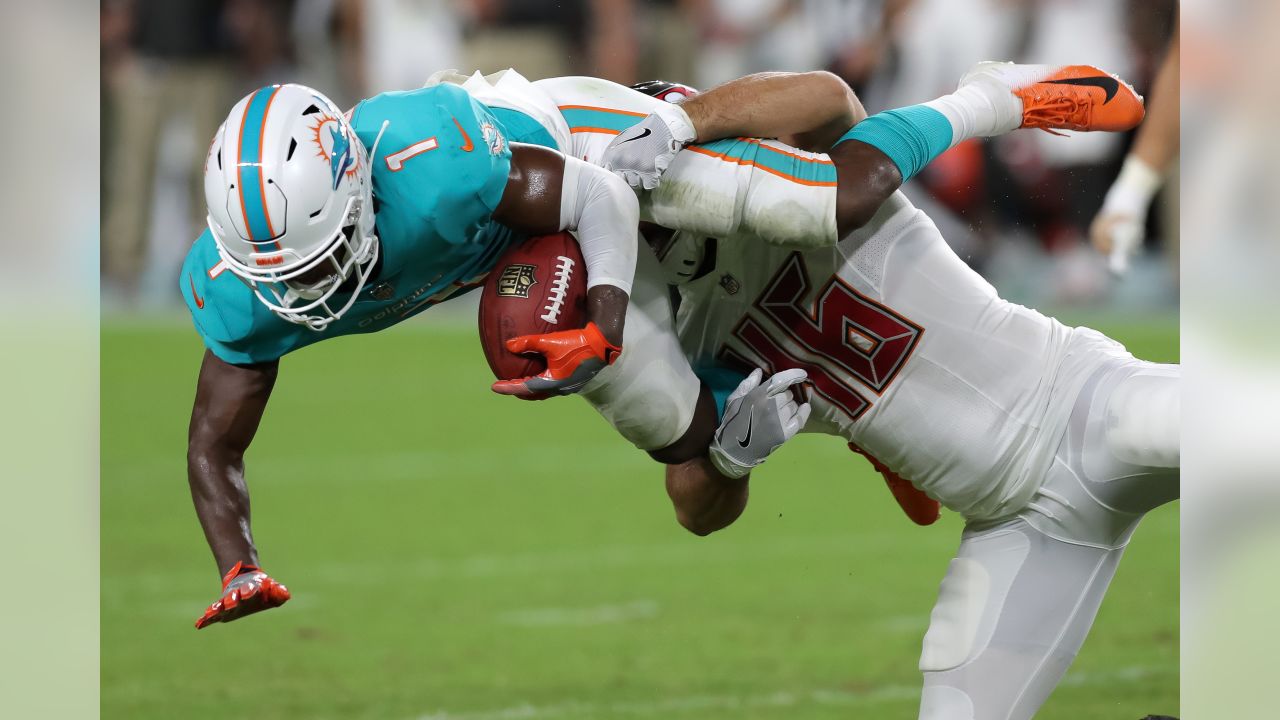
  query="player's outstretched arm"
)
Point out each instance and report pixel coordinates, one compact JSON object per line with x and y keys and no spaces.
{"x":230,"y":400}
{"x":808,"y":110}
{"x":549,"y":192}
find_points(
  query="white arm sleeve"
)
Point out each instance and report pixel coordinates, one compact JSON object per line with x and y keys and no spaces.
{"x":606,"y":215}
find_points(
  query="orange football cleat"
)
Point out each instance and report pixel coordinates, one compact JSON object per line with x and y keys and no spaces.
{"x":1071,"y":97}
{"x":245,"y":590}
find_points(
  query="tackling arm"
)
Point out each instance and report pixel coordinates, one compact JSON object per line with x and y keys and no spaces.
{"x":808,"y":110}
{"x":704,"y":499}
{"x":708,"y":468}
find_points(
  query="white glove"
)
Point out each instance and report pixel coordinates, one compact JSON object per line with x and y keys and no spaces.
{"x":758,"y":419}
{"x":643,"y":151}
{"x":1120,"y":227}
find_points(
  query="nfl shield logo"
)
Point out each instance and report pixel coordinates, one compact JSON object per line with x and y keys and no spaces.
{"x":383,"y":291}
{"x":516,"y":280}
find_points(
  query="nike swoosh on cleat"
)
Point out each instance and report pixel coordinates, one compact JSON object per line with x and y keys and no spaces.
{"x":747,"y":440}
{"x":1109,"y":84}
{"x":647,"y":132}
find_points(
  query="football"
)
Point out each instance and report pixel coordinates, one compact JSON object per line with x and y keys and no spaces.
{"x":539,"y":286}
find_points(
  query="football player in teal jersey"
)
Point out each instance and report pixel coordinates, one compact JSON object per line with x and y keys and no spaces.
{"x":323,"y":224}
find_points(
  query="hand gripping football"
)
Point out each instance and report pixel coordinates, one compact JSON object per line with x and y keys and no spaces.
{"x":538,"y":286}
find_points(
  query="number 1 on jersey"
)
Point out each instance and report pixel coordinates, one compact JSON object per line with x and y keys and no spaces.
{"x":396,"y":160}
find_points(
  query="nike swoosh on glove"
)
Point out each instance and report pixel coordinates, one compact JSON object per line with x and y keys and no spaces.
{"x":758,"y":419}
{"x":573,"y":358}
{"x":246,"y":589}
{"x":642,"y":152}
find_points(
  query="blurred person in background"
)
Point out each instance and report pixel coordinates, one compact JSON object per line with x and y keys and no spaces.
{"x":1120,"y":228}
{"x":397,"y":44}
{"x":1033,"y":186}
{"x":540,"y":39}
{"x":166,"y":59}
{"x":264,"y":49}
{"x":746,"y":36}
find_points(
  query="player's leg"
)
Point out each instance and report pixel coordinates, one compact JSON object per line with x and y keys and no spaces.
{"x":877,"y":155}
{"x":1021,"y":595}
{"x":1012,"y":612}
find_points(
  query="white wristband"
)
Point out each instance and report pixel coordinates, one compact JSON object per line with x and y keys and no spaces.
{"x":1132,"y":191}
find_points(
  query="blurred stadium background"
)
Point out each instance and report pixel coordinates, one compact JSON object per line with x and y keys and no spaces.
{"x":449,"y":564}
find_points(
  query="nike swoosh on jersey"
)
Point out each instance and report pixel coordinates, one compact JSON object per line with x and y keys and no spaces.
{"x":747,"y":440}
{"x":1109,"y":84}
{"x":199,"y":300}
{"x":647,"y":132}
{"x":466,"y":139}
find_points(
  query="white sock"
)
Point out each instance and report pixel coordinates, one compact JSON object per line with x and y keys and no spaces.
{"x":981,"y":108}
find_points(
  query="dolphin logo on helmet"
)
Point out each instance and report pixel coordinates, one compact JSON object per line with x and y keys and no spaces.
{"x":340,"y":161}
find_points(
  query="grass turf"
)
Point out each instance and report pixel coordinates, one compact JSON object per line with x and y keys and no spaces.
{"x":455,"y":554}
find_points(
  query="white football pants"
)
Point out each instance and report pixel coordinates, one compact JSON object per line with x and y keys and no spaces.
{"x":1021,"y":594}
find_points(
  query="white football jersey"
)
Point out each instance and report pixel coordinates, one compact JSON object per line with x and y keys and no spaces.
{"x":912,"y":356}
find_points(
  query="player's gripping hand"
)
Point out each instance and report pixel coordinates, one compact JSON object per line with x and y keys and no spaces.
{"x":573,"y":358}
{"x":642,"y":152}
{"x":758,"y":419}
{"x":245,"y":590}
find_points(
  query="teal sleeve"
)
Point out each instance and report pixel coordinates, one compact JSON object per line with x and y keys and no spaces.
{"x":912,"y":137}
{"x":231,"y":322}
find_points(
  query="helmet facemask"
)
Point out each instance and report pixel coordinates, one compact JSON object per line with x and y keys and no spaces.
{"x":290,"y":294}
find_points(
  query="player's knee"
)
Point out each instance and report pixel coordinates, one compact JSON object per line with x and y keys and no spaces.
{"x":953,"y":626}
{"x":942,"y":702}
{"x":1143,"y":420}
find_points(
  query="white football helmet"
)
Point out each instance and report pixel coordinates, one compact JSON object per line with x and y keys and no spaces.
{"x":289,"y":191}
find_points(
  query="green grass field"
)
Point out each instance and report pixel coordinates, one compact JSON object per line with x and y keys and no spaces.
{"x":458,"y":555}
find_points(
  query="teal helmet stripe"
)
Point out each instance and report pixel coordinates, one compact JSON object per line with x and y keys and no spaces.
{"x":253,"y":196}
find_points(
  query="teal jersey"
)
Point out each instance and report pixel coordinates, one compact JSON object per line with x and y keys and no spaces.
{"x":440,"y":172}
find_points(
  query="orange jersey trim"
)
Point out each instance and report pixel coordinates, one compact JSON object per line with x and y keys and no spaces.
{"x":602,"y":109}
{"x":602,"y":131}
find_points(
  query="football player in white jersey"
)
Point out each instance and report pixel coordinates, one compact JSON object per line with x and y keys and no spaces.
{"x":1051,"y":441}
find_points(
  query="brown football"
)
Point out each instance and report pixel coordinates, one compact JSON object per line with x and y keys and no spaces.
{"x":538,"y":286}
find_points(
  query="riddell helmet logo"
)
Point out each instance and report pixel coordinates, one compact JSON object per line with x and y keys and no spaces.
{"x":265,"y":261}
{"x":516,"y":280}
